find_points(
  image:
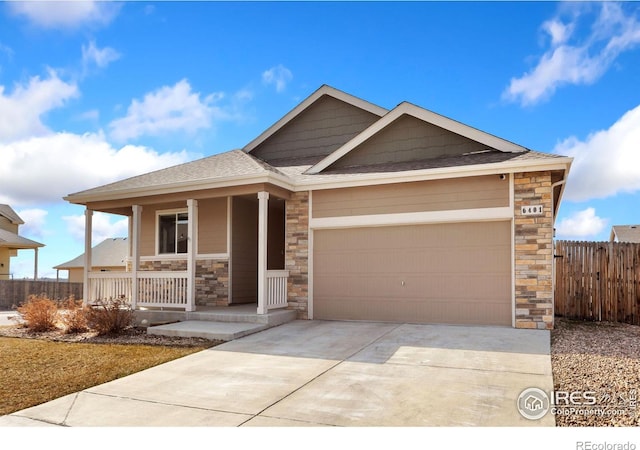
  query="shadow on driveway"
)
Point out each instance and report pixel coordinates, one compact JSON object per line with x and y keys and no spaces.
{"x":326,"y":373}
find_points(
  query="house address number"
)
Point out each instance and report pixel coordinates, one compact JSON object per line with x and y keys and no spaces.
{"x":533,"y":210}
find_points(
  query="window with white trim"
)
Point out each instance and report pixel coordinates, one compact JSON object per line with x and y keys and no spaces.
{"x":173,"y":232}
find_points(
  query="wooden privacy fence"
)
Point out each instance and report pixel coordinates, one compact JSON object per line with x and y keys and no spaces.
{"x":598,"y":281}
{"x":15,"y":292}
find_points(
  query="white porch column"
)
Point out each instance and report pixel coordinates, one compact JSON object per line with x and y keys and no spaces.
{"x":135,"y":252}
{"x":263,"y":211}
{"x":35,"y":265}
{"x":192,"y":250}
{"x":88,"y":230}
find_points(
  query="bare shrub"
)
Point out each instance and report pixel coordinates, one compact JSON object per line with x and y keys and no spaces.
{"x":110,"y":316}
{"x":39,"y":313}
{"x":73,"y":315}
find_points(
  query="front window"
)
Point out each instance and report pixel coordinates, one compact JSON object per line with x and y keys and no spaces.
{"x":172,"y":233}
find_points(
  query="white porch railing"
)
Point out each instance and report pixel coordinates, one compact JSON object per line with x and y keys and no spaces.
{"x":109,"y":285}
{"x":169,"y":289}
{"x":162,"y":289}
{"x":157,"y":289}
{"x":277,"y":288}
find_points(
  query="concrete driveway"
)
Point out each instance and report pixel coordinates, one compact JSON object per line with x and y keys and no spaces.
{"x":319,"y":373}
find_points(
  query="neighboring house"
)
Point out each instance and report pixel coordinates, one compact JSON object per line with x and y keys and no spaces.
{"x":11,"y":241}
{"x":345,"y":210}
{"x":109,"y":255}
{"x":625,"y":233}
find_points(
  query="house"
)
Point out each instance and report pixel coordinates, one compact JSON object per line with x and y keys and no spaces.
{"x":625,"y":233}
{"x":345,"y":210}
{"x":533,"y":403}
{"x":11,"y":241}
{"x":109,"y":255}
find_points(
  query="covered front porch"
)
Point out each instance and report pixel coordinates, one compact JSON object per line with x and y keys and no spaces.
{"x":216,"y":249}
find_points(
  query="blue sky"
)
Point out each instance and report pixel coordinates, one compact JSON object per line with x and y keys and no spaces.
{"x":95,"y":92}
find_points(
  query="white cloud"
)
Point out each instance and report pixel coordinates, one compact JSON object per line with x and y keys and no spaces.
{"x":168,"y":109}
{"x":279,"y":76}
{"x":100,"y":57}
{"x":44,"y":169}
{"x":582,"y":61}
{"x":21,"y":110}
{"x":582,"y":224}
{"x":607,"y":162}
{"x":66,"y":14}
{"x":103,"y":226}
{"x":34,"y":223}
{"x":558,"y":31}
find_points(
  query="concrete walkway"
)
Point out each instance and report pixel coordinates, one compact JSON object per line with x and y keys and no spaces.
{"x":5,"y":318}
{"x":319,"y":373}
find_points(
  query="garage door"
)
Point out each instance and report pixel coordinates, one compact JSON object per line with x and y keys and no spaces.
{"x":445,"y":273}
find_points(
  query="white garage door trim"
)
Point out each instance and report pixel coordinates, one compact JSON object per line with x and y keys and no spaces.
{"x":430,"y":217}
{"x":413,"y":218}
{"x":466,"y":215}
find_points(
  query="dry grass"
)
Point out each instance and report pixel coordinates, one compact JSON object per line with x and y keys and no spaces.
{"x":34,"y":371}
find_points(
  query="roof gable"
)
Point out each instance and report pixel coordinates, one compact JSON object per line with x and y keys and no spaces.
{"x":316,"y":127}
{"x":111,"y":252}
{"x":625,"y":233}
{"x":419,"y":134}
{"x":8,"y":212}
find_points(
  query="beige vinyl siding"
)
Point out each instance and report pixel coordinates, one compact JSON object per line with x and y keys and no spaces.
{"x":244,"y":251}
{"x":76,"y":275}
{"x":442,"y":273}
{"x":148,"y":225}
{"x":212,"y":226}
{"x":6,"y":224}
{"x":5,"y":258}
{"x":408,"y":139}
{"x":438,"y":195}
{"x":316,"y":132}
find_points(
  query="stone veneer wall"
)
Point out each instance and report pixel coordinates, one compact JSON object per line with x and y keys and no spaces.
{"x":297,"y":253}
{"x":212,"y":278}
{"x":533,"y":252}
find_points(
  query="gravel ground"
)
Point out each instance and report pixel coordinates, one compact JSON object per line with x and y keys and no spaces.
{"x":600,"y":361}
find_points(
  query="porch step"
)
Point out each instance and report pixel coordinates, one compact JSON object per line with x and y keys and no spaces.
{"x":235,"y":314}
{"x":223,"y":331}
{"x":222,"y":323}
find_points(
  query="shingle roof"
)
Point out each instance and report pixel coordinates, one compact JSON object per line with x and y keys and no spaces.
{"x":12,"y":240}
{"x":230,"y":164}
{"x":298,"y":175}
{"x":626,"y":233}
{"x":239,"y":166}
{"x":9,"y":213}
{"x":111,"y":252}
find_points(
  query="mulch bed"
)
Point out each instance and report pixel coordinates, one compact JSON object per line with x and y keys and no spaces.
{"x":133,"y":335}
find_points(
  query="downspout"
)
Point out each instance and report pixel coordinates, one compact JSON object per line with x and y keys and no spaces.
{"x":553,"y":187}
{"x":553,"y":259}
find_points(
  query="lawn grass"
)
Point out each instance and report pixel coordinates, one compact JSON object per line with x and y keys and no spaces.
{"x":34,"y":371}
